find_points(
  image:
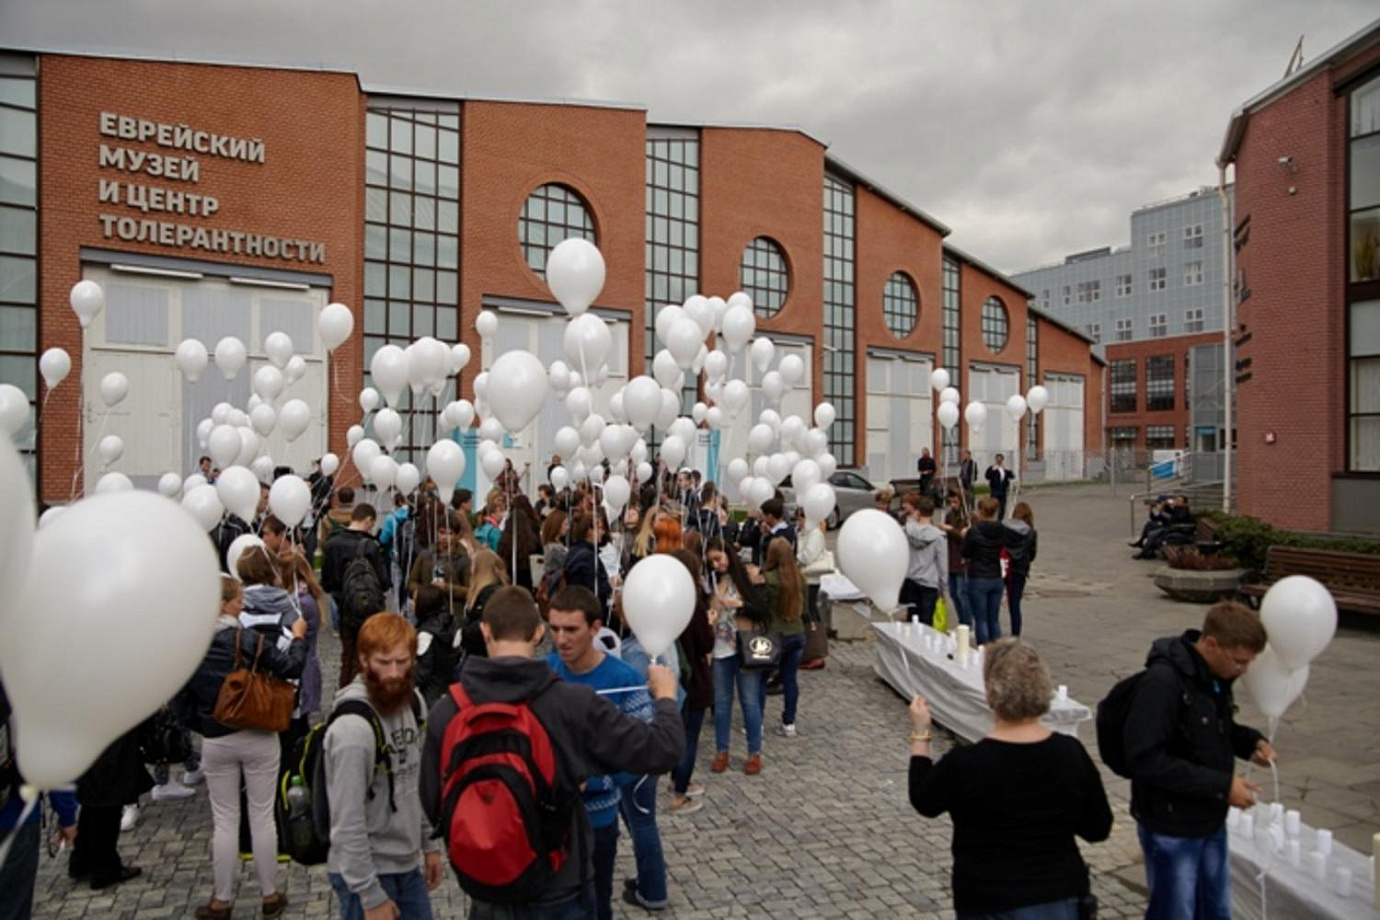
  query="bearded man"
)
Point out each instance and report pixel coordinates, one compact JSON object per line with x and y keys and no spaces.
{"x":378,"y":829}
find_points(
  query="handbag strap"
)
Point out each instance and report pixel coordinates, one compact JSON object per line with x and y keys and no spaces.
{"x":239,"y":632}
{"x":258,"y":651}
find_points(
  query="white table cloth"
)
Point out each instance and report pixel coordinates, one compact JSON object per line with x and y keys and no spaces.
{"x":1291,"y":892}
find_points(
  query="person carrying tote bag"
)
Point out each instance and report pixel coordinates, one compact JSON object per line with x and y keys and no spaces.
{"x":738,"y":608}
{"x":815,"y":560}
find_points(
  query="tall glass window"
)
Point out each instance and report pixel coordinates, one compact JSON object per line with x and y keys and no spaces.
{"x":19,"y":246}
{"x":951,"y":352}
{"x":1363,"y":339}
{"x":1159,"y":383}
{"x":764,"y":276}
{"x":1123,"y":386}
{"x":1363,"y":373}
{"x":900,"y":304}
{"x":996,"y":325}
{"x":840,"y":365}
{"x":1032,"y":377}
{"x":550,"y":214}
{"x":411,"y":243}
{"x":673,"y":232}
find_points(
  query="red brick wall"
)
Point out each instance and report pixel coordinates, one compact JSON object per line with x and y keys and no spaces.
{"x":509,"y":149}
{"x":1062,"y":352}
{"x":1177,"y":346}
{"x":309,"y":187}
{"x":1295,"y":268}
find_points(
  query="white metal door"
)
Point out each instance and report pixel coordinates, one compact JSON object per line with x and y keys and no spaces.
{"x":900,"y":420}
{"x":798,"y":400}
{"x":999,"y":435}
{"x":1063,"y":428}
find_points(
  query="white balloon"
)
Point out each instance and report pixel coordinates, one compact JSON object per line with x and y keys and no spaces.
{"x":617,"y":440}
{"x":760,"y":439}
{"x":816,"y":442}
{"x":262,"y":468}
{"x":383,"y":470}
{"x":480,"y":385}
{"x":1015,"y":407}
{"x":50,"y":515}
{"x":238,"y":418}
{"x":192,"y":481}
{"x":828,"y":464}
{"x":714,"y":417}
{"x":493,"y":463}
{"x":388,"y":428}
{"x":559,"y":377}
{"x":818,"y":501}
{"x":792,"y":429}
{"x":672,"y":452}
{"x":268,"y":382}
{"x":684,"y":429}
{"x":491,"y":429}
{"x":238,"y":546}
{"x":737,"y":469}
{"x":263,"y":418}
{"x":825,"y":415}
{"x":578,"y":403}
{"x":87,"y":300}
{"x":203,"y":504}
{"x":616,"y":493}
{"x":445,"y":464}
{"x":111,"y":448}
{"x":203,"y":431}
{"x":575,"y":274}
{"x":644,"y":471}
{"x":587,"y":342}
{"x":389,"y":369}
{"x":1300,"y":617}
{"x":716,"y":365}
{"x":763,"y":490}
{"x":1037,"y":399}
{"x":221,"y":413}
{"x":947,"y":413}
{"x":577,"y":472}
{"x":698,"y":364}
{"x":148,"y":582}
{"x":804,"y":474}
{"x":460,"y":413}
{"x":773,"y":387}
{"x":939,"y":379}
{"x":169,"y":485}
{"x":230,"y":356}
{"x":567,"y":441}
{"x":777,"y":469}
{"x":639,"y":451}
{"x":278,"y":347}
{"x":364,"y":453}
{"x":369,"y":399}
{"x":113,"y":482}
{"x":238,"y":490}
{"x":666,"y":371}
{"x":759,"y":467}
{"x":697,"y":412}
{"x":224,"y":445}
{"x":289,"y":498}
{"x":684,"y":342}
{"x":1272,"y":684}
{"x":294,"y":418}
{"x":354,"y":435}
{"x":114,"y":388}
{"x":976,"y":414}
{"x":735,"y":396}
{"x":295,"y":370}
{"x":762,"y":351}
{"x":642,"y":402}
{"x":616,"y":412}
{"x":873,"y":553}
{"x":249,"y":446}
{"x":517,"y":387}
{"x":698,"y":308}
{"x":666,"y":318}
{"x":949,"y":395}
{"x":658,"y":601}
{"x":329,"y":464}
{"x":591,"y":428}
{"x":486,"y":324}
{"x":459,"y":357}
{"x":739,"y":324}
{"x":792,"y":370}
{"x":55,"y":365}
{"x":560,"y":478}
{"x":670,"y":408}
{"x":335,"y":324}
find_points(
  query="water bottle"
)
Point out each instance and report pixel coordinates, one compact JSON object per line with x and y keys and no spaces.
{"x":300,"y":827}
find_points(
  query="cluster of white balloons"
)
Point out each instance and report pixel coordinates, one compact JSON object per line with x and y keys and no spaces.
{"x":1300,"y":617}
{"x":975,"y":413}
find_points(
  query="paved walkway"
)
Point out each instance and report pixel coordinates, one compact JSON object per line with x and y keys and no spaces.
{"x":826,"y":830}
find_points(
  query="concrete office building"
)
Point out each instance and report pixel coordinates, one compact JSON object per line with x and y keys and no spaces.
{"x":214,"y":200}
{"x":1155,"y":309}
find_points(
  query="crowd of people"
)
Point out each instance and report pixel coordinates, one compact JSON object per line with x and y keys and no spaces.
{"x":494,"y":711}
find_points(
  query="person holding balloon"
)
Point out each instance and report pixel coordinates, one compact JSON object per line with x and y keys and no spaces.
{"x":738,"y":603}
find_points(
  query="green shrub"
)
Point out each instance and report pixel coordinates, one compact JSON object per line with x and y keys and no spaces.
{"x":1247,"y":539}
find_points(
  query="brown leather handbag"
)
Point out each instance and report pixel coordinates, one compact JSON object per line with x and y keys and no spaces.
{"x":252,"y":700}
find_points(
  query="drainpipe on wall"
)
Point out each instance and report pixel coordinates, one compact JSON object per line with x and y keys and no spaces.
{"x":1228,"y":325}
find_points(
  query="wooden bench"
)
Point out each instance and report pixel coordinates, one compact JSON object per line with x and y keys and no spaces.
{"x":1353,"y":579}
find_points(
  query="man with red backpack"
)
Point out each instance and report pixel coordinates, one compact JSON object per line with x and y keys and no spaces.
{"x":506,"y":753}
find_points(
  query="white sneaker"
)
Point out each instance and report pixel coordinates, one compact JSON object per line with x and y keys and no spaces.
{"x":786,"y":731}
{"x":193,"y":777}
{"x":170,"y":791}
{"x":129,"y":817}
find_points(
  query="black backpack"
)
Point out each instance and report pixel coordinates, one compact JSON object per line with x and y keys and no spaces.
{"x":361,"y":591}
{"x":1112,"y":713}
{"x":306,"y":823}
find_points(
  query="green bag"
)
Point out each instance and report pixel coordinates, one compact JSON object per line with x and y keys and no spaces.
{"x":941,"y":615}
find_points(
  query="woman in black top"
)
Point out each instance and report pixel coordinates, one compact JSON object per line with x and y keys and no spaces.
{"x":1017,"y":798}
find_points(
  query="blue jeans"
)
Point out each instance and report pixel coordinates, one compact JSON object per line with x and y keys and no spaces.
{"x":958,"y":601}
{"x":1067,"y":909}
{"x":727,"y":674}
{"x":405,"y":889}
{"x":19,"y":871}
{"x":576,"y":908}
{"x":984,"y":602}
{"x":605,"y":854}
{"x":792,"y":649}
{"x":1015,"y":588}
{"x":638,"y":808}
{"x":680,"y":776}
{"x":1187,"y":876}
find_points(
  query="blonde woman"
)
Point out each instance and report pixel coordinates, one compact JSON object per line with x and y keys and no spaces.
{"x":487,"y":575}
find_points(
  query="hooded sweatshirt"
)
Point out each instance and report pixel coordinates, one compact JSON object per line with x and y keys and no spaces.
{"x":1022,"y":551}
{"x":929,"y":555}
{"x":368,"y":837}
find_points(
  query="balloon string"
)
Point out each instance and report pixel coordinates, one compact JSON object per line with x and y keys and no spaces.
{"x":100,"y":432}
{"x":31,"y":800}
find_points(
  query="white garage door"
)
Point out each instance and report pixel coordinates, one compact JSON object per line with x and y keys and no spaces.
{"x":544,"y":336}
{"x":900,"y":420}
{"x":993,"y":386}
{"x":796,"y":401}
{"x":1063,"y":427}
{"x":144,"y":319}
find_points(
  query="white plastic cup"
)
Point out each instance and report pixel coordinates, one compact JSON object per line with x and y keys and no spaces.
{"x":1062,"y":695}
{"x":1292,"y":823}
{"x":1233,"y":817}
{"x":1341,"y":883}
{"x":1324,"y":845}
{"x":1317,"y":866}
{"x":1276,"y":812}
{"x":1294,"y":852}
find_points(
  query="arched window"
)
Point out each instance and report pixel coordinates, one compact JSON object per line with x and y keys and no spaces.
{"x":764,"y":276}
{"x":552,"y":213}
{"x":995,"y":325}
{"x":900,"y":305}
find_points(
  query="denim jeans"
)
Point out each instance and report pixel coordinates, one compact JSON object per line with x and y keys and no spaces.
{"x":576,"y":908}
{"x":727,"y":674}
{"x":605,"y":854}
{"x":638,"y":808}
{"x":958,"y":601}
{"x":19,"y":871}
{"x":680,"y":776}
{"x":405,"y":889}
{"x":1066,"y":909}
{"x":1187,"y":876}
{"x":984,"y":599}
{"x":792,"y":649}
{"x":1015,"y":588}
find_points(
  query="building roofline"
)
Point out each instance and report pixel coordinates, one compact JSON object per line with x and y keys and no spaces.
{"x":737,"y":126}
{"x":1059,"y":323}
{"x":1340,"y":53}
{"x":988,"y":270}
{"x":880,"y":191}
{"x":133,"y":54}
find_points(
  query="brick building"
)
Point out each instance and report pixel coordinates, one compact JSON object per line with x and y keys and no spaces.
{"x":1306,"y":153}
{"x":213,"y":201}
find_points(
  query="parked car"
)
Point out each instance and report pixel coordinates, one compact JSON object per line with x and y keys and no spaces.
{"x":852,"y":493}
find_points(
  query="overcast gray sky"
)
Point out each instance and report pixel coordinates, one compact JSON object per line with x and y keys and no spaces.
{"x":1030,"y":128}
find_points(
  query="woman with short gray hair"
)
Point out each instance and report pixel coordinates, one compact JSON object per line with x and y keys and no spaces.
{"x":1017,"y":798}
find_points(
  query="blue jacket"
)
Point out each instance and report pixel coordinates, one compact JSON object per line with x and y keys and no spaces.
{"x":64,"y":803}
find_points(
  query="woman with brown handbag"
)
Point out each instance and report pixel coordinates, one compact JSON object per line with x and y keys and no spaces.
{"x":228,"y":753}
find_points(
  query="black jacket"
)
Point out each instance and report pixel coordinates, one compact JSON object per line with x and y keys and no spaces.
{"x":436,"y":666}
{"x":1181,"y":741}
{"x":226,"y":532}
{"x":998,"y":479}
{"x":982,"y":547}
{"x":196,"y":701}
{"x":590,"y":734}
{"x":118,"y":777}
{"x":584,"y":567}
{"x":343,"y":547}
{"x":471,"y":638}
{"x":1023,"y":551}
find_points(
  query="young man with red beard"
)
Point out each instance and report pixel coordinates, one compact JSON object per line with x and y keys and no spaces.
{"x":378,"y":829}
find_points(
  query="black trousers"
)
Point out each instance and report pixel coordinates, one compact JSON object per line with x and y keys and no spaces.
{"x":98,"y":833}
{"x":920,"y":601}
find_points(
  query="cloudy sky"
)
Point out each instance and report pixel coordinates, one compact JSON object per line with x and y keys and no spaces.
{"x":1030,"y":128}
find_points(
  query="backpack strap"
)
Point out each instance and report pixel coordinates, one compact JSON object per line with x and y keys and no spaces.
{"x":381,"y":756}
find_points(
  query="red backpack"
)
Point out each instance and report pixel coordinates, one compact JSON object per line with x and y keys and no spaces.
{"x":507,"y":809}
